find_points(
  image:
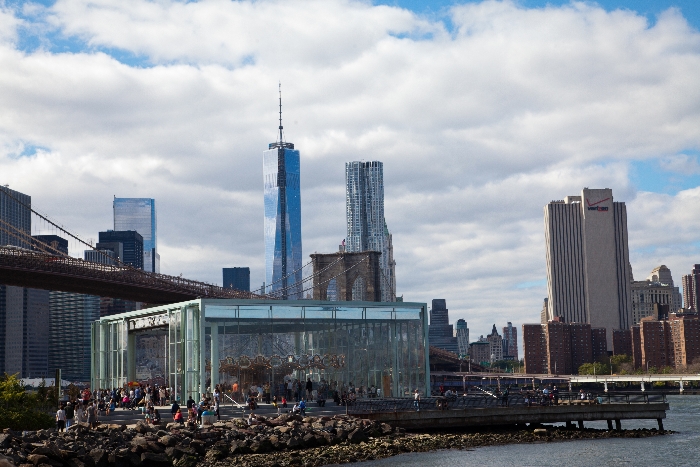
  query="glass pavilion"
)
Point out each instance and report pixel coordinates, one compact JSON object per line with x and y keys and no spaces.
{"x":193,"y":346}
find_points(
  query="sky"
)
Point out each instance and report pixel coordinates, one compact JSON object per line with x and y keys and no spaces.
{"x":481,"y":111}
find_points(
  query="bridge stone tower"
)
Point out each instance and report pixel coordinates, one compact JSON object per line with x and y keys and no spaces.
{"x":355,"y":276}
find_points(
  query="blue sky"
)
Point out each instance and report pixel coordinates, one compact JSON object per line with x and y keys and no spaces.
{"x":649,"y":8}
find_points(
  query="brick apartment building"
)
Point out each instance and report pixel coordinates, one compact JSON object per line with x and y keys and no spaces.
{"x":561,"y":348}
{"x":663,"y":340}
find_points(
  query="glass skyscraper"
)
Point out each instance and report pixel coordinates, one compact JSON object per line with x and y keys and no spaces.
{"x":281,"y":172}
{"x":367,"y":230}
{"x":16,"y":215}
{"x":139,"y":214}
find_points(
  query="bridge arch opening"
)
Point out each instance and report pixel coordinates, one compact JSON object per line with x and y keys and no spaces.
{"x":359,"y":289}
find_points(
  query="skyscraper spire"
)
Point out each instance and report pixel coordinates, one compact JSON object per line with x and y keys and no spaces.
{"x":281,"y":136}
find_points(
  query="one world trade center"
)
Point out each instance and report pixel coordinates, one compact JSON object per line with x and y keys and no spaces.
{"x":283,"y":272}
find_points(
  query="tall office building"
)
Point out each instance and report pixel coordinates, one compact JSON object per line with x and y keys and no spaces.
{"x":126,"y":244}
{"x":366,"y":226}
{"x":588,"y":268}
{"x":281,"y":172}
{"x":462,"y":335}
{"x":139,"y":214}
{"x":691,"y":288}
{"x":658,"y":288}
{"x":24,"y":324}
{"x":510,"y":341}
{"x":440,"y":331}
{"x":237,"y":278}
{"x":16,"y":217}
{"x":70,"y":316}
{"x":495,"y":341}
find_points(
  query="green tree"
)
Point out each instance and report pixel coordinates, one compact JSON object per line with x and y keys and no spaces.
{"x":20,"y":410}
{"x":596,"y":368}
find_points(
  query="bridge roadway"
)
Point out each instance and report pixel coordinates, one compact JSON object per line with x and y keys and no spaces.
{"x":33,"y":269}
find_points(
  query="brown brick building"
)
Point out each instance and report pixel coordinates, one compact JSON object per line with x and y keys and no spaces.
{"x":636,"y":338}
{"x":622,"y":342}
{"x":599,"y":344}
{"x":534,"y":349}
{"x":561,"y":348}
{"x":655,"y":340}
{"x":685,"y":335}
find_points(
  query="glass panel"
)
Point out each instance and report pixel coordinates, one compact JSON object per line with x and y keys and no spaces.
{"x":407,"y":313}
{"x":286,"y":312}
{"x":348,"y":313}
{"x":322,"y":312}
{"x":379,"y":313}
{"x":215,"y":311}
{"x":254,"y":312}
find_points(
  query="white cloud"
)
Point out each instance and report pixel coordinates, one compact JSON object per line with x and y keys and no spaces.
{"x":681,"y":163}
{"x":478,"y":129}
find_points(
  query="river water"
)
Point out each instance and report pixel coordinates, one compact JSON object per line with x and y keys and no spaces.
{"x":679,"y":449}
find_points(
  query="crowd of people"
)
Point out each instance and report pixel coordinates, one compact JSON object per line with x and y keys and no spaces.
{"x":91,"y":406}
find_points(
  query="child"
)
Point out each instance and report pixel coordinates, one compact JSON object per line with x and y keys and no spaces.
{"x":178,"y":417}
{"x":284,"y":402}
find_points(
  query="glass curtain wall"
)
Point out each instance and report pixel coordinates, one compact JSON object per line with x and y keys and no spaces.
{"x":364,"y":349}
{"x":343,"y":349}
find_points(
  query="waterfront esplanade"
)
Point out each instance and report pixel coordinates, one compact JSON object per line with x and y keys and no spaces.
{"x":193,"y":346}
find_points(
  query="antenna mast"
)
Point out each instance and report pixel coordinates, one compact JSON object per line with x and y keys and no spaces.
{"x":280,"y":90}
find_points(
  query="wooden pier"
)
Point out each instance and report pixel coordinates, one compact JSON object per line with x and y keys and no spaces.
{"x":462,"y":414}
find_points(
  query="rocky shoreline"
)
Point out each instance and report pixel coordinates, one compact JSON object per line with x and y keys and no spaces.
{"x":283,"y":441}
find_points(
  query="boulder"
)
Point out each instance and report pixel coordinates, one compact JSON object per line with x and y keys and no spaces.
{"x":152,"y":459}
{"x":357,"y":436}
{"x":37,"y":459}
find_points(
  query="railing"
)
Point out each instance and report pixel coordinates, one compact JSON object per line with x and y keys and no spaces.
{"x":487,"y":400}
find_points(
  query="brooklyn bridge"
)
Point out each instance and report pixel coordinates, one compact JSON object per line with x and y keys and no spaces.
{"x":41,"y":270}
{"x":40,"y":264}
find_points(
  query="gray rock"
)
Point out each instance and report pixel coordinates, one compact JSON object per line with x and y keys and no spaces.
{"x":152,"y":459}
{"x":357,"y":436}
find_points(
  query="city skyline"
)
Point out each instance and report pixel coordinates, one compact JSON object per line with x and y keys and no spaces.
{"x":481,"y":120}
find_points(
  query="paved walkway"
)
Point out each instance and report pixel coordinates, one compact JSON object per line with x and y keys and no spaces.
{"x":227,"y":412}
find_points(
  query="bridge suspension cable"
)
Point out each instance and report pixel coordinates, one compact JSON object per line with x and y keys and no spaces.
{"x":306,"y":279}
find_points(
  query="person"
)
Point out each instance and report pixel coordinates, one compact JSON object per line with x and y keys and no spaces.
{"x":295,"y":409}
{"x":416,"y":400}
{"x":379,"y":393}
{"x":302,"y":407}
{"x":192,"y":416}
{"x":309,"y":388}
{"x":216,"y":409}
{"x":177,"y":417}
{"x":190,"y":403}
{"x":266,"y":393}
{"x":504,"y":397}
{"x":200,"y":408}
{"x":289,"y":389}
{"x":79,"y":412}
{"x":92,"y":415}
{"x":60,"y":418}
{"x":582,"y":395}
{"x":156,"y":417}
{"x":175,"y":408}
{"x":284,"y":402}
{"x":555,"y":394}
{"x":234,"y":389}
{"x":70,"y":414}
